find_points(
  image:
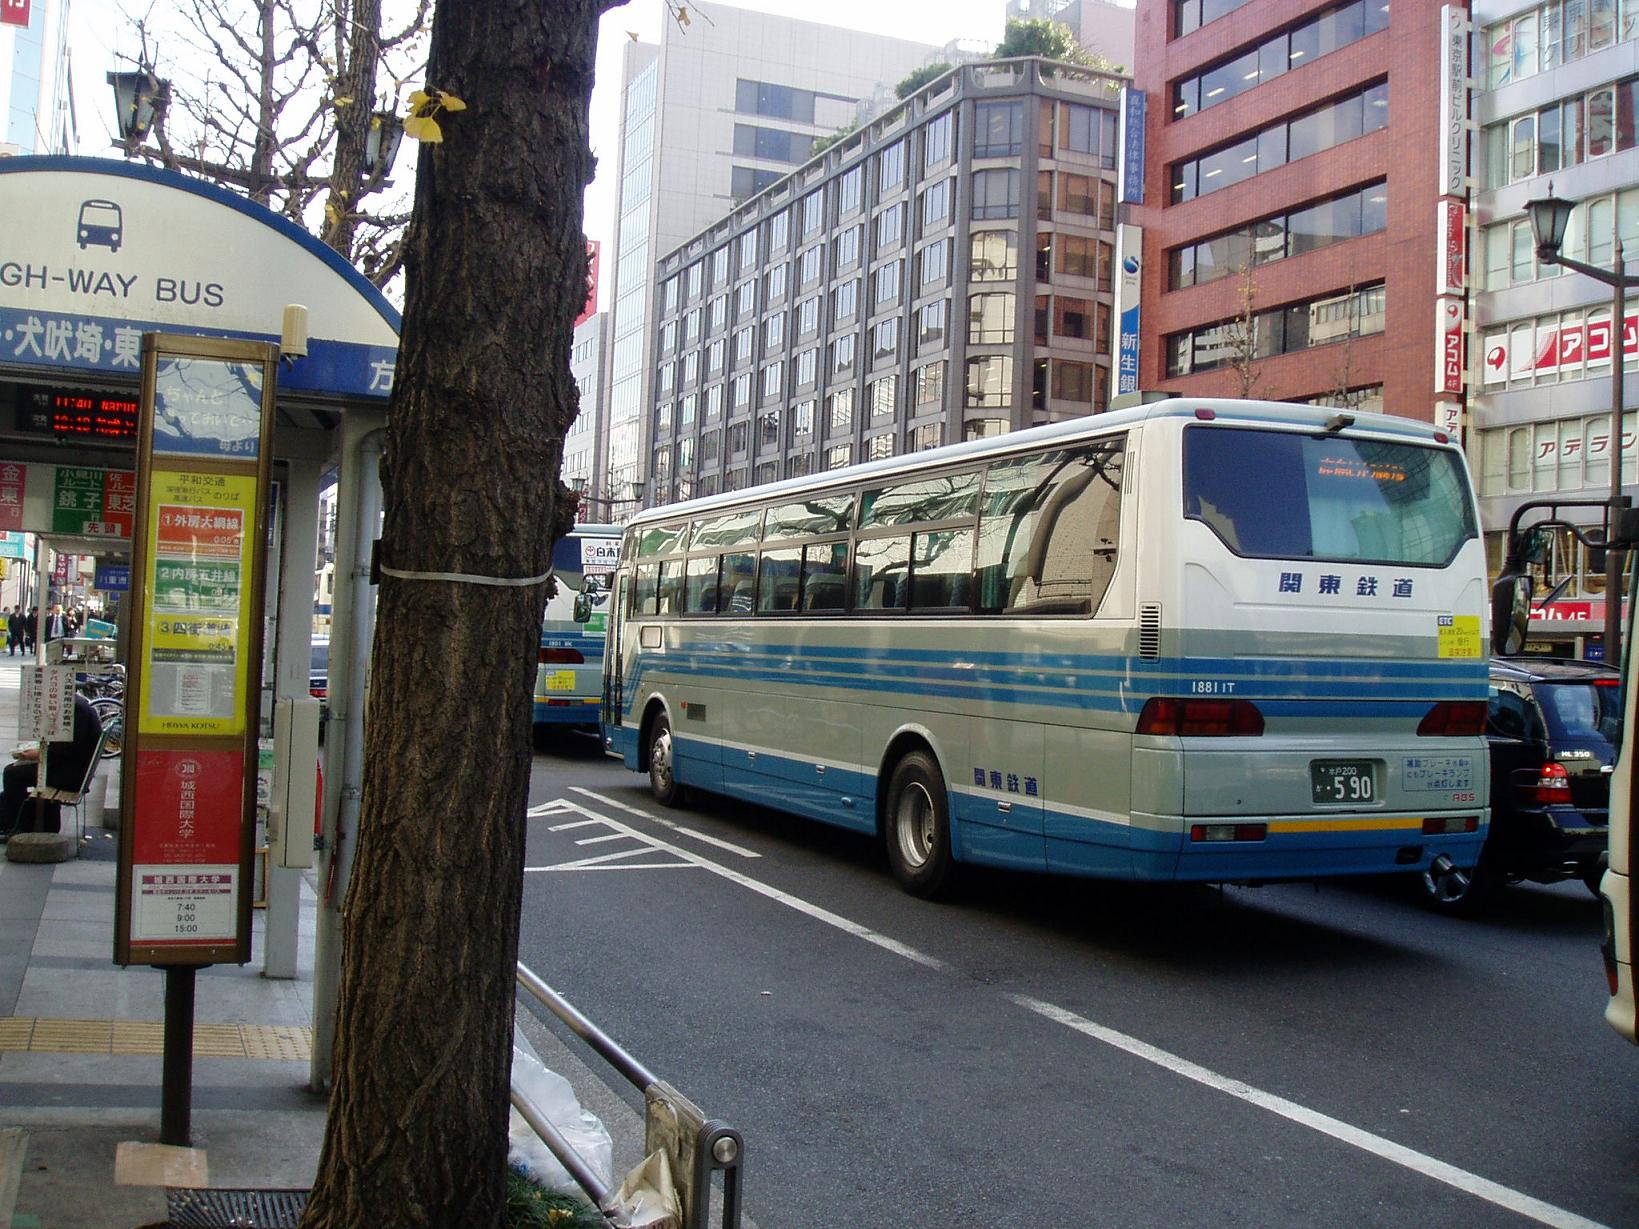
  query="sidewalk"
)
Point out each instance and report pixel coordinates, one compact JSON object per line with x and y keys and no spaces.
{"x":80,"y":1046}
{"x":80,"y":1049}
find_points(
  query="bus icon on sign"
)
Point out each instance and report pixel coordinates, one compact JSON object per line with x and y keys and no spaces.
{"x":100,"y":223}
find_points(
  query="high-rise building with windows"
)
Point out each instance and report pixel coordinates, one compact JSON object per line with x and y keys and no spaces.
{"x":711,"y":117}
{"x":1556,"y":102}
{"x":580,"y":441}
{"x":942,"y":274}
{"x":1296,"y":162}
{"x":34,"y":79}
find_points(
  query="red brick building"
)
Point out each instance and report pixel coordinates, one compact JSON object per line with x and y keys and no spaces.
{"x":1293,"y":168}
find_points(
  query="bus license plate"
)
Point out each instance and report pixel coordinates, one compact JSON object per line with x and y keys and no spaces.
{"x":1343,"y":781}
{"x":561,"y":680}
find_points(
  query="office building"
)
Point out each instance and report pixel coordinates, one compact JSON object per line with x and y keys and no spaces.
{"x":942,"y":274}
{"x":712,"y":116}
{"x":586,"y":357}
{"x":1556,"y":101}
{"x":1298,"y":172}
{"x":34,"y":79}
{"x":1101,"y":27}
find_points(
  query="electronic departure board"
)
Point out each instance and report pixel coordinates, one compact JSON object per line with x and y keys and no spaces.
{"x":76,"y":414}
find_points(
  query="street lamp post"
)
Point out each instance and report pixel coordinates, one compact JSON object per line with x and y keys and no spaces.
{"x":1549,"y":217}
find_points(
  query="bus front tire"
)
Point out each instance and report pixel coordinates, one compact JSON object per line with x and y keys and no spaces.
{"x":663,"y":782}
{"x":917,"y":827}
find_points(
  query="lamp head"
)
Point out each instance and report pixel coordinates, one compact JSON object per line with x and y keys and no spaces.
{"x":1550,"y":215}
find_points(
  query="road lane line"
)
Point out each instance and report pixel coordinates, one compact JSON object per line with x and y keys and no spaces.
{"x":1472,"y":1184}
{"x":785,"y":898}
{"x":603,"y":840}
{"x":579,"y":823}
{"x":623,"y":866}
{"x":668,"y":823}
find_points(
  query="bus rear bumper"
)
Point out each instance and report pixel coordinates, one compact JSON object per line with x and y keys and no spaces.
{"x":1241,"y":848}
{"x":566,"y":712}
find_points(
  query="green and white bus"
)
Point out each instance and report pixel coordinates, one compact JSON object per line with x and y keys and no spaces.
{"x":569,"y":665}
{"x":1197,"y":640}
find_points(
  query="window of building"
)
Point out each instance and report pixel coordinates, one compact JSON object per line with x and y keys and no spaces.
{"x":774,"y":144}
{"x":1323,"y":128}
{"x":890,"y":167}
{"x":930,"y":326}
{"x":779,"y":231}
{"x":715,"y":353}
{"x":1360,"y":211}
{"x":998,"y":129}
{"x":882,"y":397}
{"x":1303,"y":44}
{"x":838,"y":457}
{"x":844,"y":301}
{"x":990,"y":319}
{"x":887,"y":284}
{"x":813,"y":213}
{"x":808,"y":313}
{"x":1078,"y":194}
{"x":990,"y":381}
{"x":713,"y":402}
{"x":935,"y":205}
{"x":746,"y":182}
{"x":993,"y":256}
{"x":884,"y":338}
{"x":937,"y":137}
{"x":1088,"y":130}
{"x":925,"y":436}
{"x":1073,"y":318}
{"x":719,"y":266}
{"x":839,"y":412}
{"x":773,"y":379}
{"x":933,"y":263}
{"x":807,"y":367}
{"x":718,"y":313}
{"x":1078,"y":256}
{"x":691,"y":367}
{"x":929,"y":383}
{"x":995,"y":194}
{"x":890,"y":227}
{"x":1281,"y":330}
{"x":774,"y":284}
{"x":850,"y":191}
{"x":1546,"y":35}
{"x":1190,"y":15}
{"x":740,"y":391}
{"x":744,"y":340}
{"x":776,"y":101}
{"x":842,"y":352}
{"x":696,"y":279}
{"x":774,"y":333}
{"x":1073,"y":381}
{"x":845,"y":249}
{"x":808,"y":267}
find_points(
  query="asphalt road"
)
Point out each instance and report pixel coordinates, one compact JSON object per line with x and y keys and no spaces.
{"x":1065,"y":1053}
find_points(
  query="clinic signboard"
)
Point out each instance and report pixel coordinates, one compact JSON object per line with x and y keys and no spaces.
{"x":198,"y":555}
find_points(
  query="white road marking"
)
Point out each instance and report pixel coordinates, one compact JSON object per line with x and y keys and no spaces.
{"x":1473,"y":1184}
{"x":1460,"y":1179}
{"x":667,"y":823}
{"x":602,"y":840}
{"x":545,"y":808}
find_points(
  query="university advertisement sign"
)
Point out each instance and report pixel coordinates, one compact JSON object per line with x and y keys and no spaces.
{"x":196,"y":618}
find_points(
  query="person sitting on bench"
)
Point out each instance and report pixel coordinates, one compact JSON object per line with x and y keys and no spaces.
{"x":66,"y":766}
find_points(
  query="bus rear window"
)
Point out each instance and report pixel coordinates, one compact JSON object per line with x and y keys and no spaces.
{"x":1284,"y":495}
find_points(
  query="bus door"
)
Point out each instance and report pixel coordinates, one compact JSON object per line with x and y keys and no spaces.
{"x":613,"y":665}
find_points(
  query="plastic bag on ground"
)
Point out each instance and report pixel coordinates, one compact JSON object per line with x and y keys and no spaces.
{"x":647,"y":1199}
{"x":555,"y":1098}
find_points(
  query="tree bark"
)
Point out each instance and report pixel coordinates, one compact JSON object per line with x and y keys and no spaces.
{"x":417,"y":1128}
{"x":355,"y":94}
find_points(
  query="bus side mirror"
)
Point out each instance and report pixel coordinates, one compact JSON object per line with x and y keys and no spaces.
{"x":1510,"y":609}
{"x":583,"y":606}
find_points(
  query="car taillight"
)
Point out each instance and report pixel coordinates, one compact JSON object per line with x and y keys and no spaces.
{"x":1552,"y":786}
{"x":561,"y":657}
{"x":1200,"y":718}
{"x":1454,"y":719}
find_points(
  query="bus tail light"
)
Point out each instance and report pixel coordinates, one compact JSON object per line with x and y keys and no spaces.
{"x":1448,"y":824}
{"x":561,"y":657}
{"x":1228,"y":832}
{"x":1552,"y":786}
{"x":1454,"y":719}
{"x":1200,"y":718}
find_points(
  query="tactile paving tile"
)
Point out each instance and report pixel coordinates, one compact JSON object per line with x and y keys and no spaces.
{"x":292,"y":1043}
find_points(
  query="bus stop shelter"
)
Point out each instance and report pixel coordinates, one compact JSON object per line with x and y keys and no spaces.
{"x":96,"y":254}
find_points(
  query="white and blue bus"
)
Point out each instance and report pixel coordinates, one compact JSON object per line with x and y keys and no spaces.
{"x":569,"y":673}
{"x":1198,"y":640}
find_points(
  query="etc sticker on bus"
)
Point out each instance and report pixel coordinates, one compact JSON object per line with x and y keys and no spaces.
{"x":1459,"y":635}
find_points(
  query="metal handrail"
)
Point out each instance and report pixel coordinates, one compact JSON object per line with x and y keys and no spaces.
{"x":698,"y":1147}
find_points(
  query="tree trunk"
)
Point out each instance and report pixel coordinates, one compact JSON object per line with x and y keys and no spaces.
{"x":417,"y":1128}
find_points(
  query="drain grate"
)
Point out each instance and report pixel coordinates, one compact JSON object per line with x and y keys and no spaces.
{"x":231,"y":1209}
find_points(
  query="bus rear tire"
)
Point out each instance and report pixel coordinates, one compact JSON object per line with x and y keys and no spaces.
{"x":916,"y":827}
{"x":663,"y":782}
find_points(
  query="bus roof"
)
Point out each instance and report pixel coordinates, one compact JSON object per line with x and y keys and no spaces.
{"x":1223,"y":409}
{"x":597,"y":531}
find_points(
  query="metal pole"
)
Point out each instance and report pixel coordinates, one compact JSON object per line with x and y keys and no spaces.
{"x":176,"y":1079}
{"x":1613,"y":558}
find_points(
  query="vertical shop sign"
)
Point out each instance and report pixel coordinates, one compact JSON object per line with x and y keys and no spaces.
{"x":198,"y":551}
{"x":1129,"y":246}
{"x":13,"y":488}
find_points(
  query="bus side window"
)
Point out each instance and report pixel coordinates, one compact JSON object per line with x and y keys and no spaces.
{"x":739,"y":583}
{"x":882,"y":569}
{"x":671,"y":587}
{"x":825,"y":576}
{"x":778,"y":581}
{"x":645,"y":589}
{"x":700,"y":589}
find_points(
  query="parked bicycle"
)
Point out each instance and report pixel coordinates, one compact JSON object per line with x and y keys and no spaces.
{"x":107,"y":695}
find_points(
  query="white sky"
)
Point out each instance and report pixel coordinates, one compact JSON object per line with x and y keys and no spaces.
{"x":103,"y":38}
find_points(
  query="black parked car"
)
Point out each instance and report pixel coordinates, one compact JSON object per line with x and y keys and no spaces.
{"x":1552,"y":728}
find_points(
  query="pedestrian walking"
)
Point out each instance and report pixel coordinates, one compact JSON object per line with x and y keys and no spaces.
{"x":14,"y":630}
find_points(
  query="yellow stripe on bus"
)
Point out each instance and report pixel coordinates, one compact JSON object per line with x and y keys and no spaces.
{"x":1345,"y":825}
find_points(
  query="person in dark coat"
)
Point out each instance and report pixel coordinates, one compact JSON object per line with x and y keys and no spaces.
{"x":66,"y":765}
{"x":58,"y":624}
{"x":15,"y":634}
{"x":30,"y":627}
